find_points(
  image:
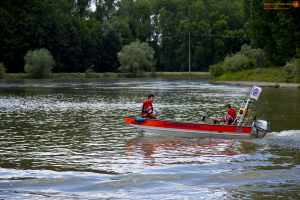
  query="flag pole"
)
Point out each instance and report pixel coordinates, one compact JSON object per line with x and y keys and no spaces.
{"x":246,"y":108}
{"x":251,"y":92}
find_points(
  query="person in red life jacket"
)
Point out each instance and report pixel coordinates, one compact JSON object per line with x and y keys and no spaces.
{"x":147,"y":109}
{"x":231,"y":116}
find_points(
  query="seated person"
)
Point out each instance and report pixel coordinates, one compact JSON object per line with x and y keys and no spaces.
{"x":230,"y":119}
{"x":147,"y":109}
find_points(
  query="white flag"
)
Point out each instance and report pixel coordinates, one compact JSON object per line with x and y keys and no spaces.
{"x":255,"y":92}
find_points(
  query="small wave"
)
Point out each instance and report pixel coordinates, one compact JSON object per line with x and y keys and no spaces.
{"x":286,"y":133}
{"x":284,"y":139}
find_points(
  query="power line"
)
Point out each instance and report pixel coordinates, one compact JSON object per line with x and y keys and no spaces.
{"x":218,"y":35}
{"x":191,"y":32}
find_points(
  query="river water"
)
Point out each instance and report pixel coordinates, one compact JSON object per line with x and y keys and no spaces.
{"x":67,"y":139}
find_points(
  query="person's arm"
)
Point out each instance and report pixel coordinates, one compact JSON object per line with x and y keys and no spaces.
{"x":220,"y":120}
{"x":151,"y":113}
{"x":154,"y":116}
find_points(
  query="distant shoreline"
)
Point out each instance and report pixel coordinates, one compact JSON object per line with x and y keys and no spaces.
{"x":113,"y":75}
{"x":260,"y":84}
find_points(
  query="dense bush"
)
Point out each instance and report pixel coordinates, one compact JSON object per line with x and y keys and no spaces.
{"x":238,"y":62}
{"x":39,"y":63}
{"x":216,"y":70}
{"x":292,"y":67}
{"x":2,"y":70}
{"x":89,"y":71}
{"x":256,"y":54}
{"x":292,"y":70}
{"x":232,"y":63}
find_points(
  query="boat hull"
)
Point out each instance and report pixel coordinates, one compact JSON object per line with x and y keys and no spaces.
{"x":194,"y":130}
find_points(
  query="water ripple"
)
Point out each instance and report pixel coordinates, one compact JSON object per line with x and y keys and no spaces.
{"x":67,"y":139}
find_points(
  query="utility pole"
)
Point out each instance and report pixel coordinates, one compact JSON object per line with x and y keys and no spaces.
{"x":189,"y":49}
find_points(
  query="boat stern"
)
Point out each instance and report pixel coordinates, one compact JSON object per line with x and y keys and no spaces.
{"x":260,"y":128}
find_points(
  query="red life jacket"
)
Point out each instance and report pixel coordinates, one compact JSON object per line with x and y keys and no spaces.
{"x":230,"y":118}
{"x":147,"y":109}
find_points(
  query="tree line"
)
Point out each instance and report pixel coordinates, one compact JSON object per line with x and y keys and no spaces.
{"x":78,"y":37}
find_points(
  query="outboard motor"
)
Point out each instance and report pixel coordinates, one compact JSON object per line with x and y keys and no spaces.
{"x":262,"y":127}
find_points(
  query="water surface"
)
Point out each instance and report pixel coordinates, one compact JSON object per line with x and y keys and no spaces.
{"x":67,"y":139}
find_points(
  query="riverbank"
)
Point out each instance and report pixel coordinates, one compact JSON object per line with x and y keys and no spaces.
{"x":272,"y":74}
{"x":260,"y":84}
{"x":112,"y":75}
{"x":276,"y":77}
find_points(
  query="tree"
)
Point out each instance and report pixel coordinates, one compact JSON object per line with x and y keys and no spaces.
{"x":14,"y":34}
{"x":2,"y":70}
{"x":144,"y":28}
{"x":81,"y":7}
{"x":79,"y":39}
{"x":276,"y":31}
{"x":125,"y":33}
{"x":234,"y":9}
{"x":136,"y":57}
{"x":104,"y":9}
{"x":39,"y":63}
{"x":165,"y":30}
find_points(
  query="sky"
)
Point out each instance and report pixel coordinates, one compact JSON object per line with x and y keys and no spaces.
{"x":93,"y":6}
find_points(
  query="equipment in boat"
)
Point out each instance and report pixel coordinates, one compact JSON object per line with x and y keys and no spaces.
{"x":208,"y":128}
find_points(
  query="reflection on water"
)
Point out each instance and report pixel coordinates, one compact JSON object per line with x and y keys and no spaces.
{"x":67,"y":139}
{"x":164,"y":150}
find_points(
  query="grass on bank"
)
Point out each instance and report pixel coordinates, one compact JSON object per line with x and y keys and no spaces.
{"x":252,"y":65}
{"x":274,"y":74}
{"x":112,"y":75}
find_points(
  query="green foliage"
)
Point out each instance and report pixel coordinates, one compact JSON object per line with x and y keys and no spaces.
{"x":238,"y":62}
{"x":292,"y":67}
{"x":153,"y":69}
{"x":142,"y":15}
{"x":216,"y":70}
{"x":81,"y":8}
{"x":275,"y":31}
{"x":14,"y":34}
{"x":125,"y":33}
{"x":297,"y":55}
{"x":75,"y":42}
{"x":110,"y":27}
{"x":292,"y":70}
{"x":256,"y":54}
{"x":259,"y":74}
{"x":234,"y":63}
{"x":79,"y":38}
{"x":2,"y":70}
{"x":272,"y":74}
{"x":203,"y":18}
{"x":39,"y":63}
{"x":89,"y":71}
{"x":136,"y":57}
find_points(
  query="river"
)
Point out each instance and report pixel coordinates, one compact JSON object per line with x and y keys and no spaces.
{"x":66,"y":139}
